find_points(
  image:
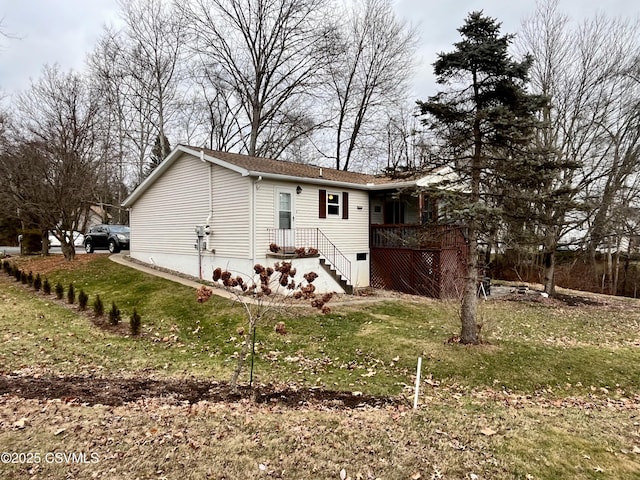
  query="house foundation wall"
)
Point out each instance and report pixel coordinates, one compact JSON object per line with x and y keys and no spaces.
{"x":190,"y":265}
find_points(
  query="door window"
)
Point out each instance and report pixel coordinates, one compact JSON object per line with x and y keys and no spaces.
{"x":284,"y":210}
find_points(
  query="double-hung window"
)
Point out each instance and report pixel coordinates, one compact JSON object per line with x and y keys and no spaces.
{"x":333,"y":204}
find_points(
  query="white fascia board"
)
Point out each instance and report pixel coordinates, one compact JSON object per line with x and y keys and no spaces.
{"x":390,"y":186}
{"x":334,"y":183}
{"x":196,"y":153}
{"x":309,"y":180}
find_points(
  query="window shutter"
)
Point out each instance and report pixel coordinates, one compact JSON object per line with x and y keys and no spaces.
{"x":322,"y":204}
{"x":345,"y":205}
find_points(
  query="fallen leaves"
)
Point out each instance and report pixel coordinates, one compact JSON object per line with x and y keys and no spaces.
{"x":488,"y":431}
{"x":21,"y":423}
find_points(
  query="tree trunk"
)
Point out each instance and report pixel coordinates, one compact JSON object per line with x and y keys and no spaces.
{"x":607,"y":275}
{"x":469,"y":332}
{"x":615,"y":274}
{"x":256,"y":114}
{"x":549,"y":264}
{"x":249,"y":338}
{"x":549,"y":273}
{"x":68,"y":250}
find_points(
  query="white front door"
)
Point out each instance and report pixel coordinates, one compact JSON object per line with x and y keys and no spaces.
{"x":285,"y":218}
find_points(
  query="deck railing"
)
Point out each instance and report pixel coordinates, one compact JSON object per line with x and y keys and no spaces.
{"x":416,"y":236}
{"x":288,"y":240}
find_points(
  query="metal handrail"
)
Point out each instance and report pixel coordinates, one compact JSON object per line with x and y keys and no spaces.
{"x":289,"y":240}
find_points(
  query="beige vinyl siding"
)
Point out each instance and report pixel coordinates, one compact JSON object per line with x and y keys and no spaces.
{"x":265,"y":215}
{"x":164,"y":218}
{"x":349,"y":235}
{"x":231,"y":213}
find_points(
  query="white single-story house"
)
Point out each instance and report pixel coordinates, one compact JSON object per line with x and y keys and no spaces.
{"x":201,"y":209}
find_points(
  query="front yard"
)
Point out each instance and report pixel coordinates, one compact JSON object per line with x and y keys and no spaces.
{"x":554,"y":393}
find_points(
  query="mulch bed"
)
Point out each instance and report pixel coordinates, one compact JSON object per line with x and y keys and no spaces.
{"x":119,"y":391}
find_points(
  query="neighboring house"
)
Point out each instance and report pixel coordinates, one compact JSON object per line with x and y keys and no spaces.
{"x":96,"y":215}
{"x":202,"y":209}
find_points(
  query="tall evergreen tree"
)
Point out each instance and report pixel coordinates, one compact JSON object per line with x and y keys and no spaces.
{"x":485,"y":122}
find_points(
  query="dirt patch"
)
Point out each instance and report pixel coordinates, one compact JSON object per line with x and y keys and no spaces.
{"x":52,"y":263}
{"x":579,"y":301}
{"x":568,"y":298}
{"x":119,"y":391}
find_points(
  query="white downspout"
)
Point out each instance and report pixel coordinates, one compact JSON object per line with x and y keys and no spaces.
{"x":252,"y":245}
{"x":210,"y":216}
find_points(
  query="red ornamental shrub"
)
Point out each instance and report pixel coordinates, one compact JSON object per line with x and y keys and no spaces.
{"x":310,"y":277}
{"x":203,"y":294}
{"x":217,"y":273}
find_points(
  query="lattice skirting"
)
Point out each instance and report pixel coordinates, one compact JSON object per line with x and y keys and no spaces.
{"x":436,"y":273}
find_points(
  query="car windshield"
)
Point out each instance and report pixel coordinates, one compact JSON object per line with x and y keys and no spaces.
{"x":119,"y":228}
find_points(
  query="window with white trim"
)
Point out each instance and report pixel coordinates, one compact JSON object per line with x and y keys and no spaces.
{"x":333,"y":204}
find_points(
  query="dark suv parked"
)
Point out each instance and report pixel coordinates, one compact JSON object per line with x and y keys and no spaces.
{"x":112,"y":237}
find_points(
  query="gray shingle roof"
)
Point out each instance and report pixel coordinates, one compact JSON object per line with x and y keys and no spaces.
{"x":300,"y":170}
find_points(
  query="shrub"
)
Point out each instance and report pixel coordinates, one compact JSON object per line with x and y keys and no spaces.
{"x":46,"y":287}
{"x":30,"y":278}
{"x":37,"y":282}
{"x":23,"y":277}
{"x":114,"y":314}
{"x":71,"y":294}
{"x":59,"y":291}
{"x":98,"y":306}
{"x":135,"y":323}
{"x":256,"y":294}
{"x":83,"y":299}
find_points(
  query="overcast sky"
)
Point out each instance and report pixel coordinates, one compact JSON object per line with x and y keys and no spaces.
{"x":64,"y":31}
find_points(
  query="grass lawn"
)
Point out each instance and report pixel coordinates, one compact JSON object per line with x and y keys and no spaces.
{"x":554,"y":393}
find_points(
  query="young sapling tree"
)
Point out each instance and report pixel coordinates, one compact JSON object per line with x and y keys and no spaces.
{"x":261,"y":295}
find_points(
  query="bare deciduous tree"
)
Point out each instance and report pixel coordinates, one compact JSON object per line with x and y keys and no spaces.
{"x":268,"y":53}
{"x":139,"y":70}
{"x":156,"y":35}
{"x":589,"y":141}
{"x":262,"y":295}
{"x":115,"y":123}
{"x":373,"y":62}
{"x":52,"y":164}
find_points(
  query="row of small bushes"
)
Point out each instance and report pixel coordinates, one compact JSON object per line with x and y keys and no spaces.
{"x":38,"y":284}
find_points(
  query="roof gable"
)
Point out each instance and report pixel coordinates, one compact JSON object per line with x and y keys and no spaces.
{"x":278,"y":169}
